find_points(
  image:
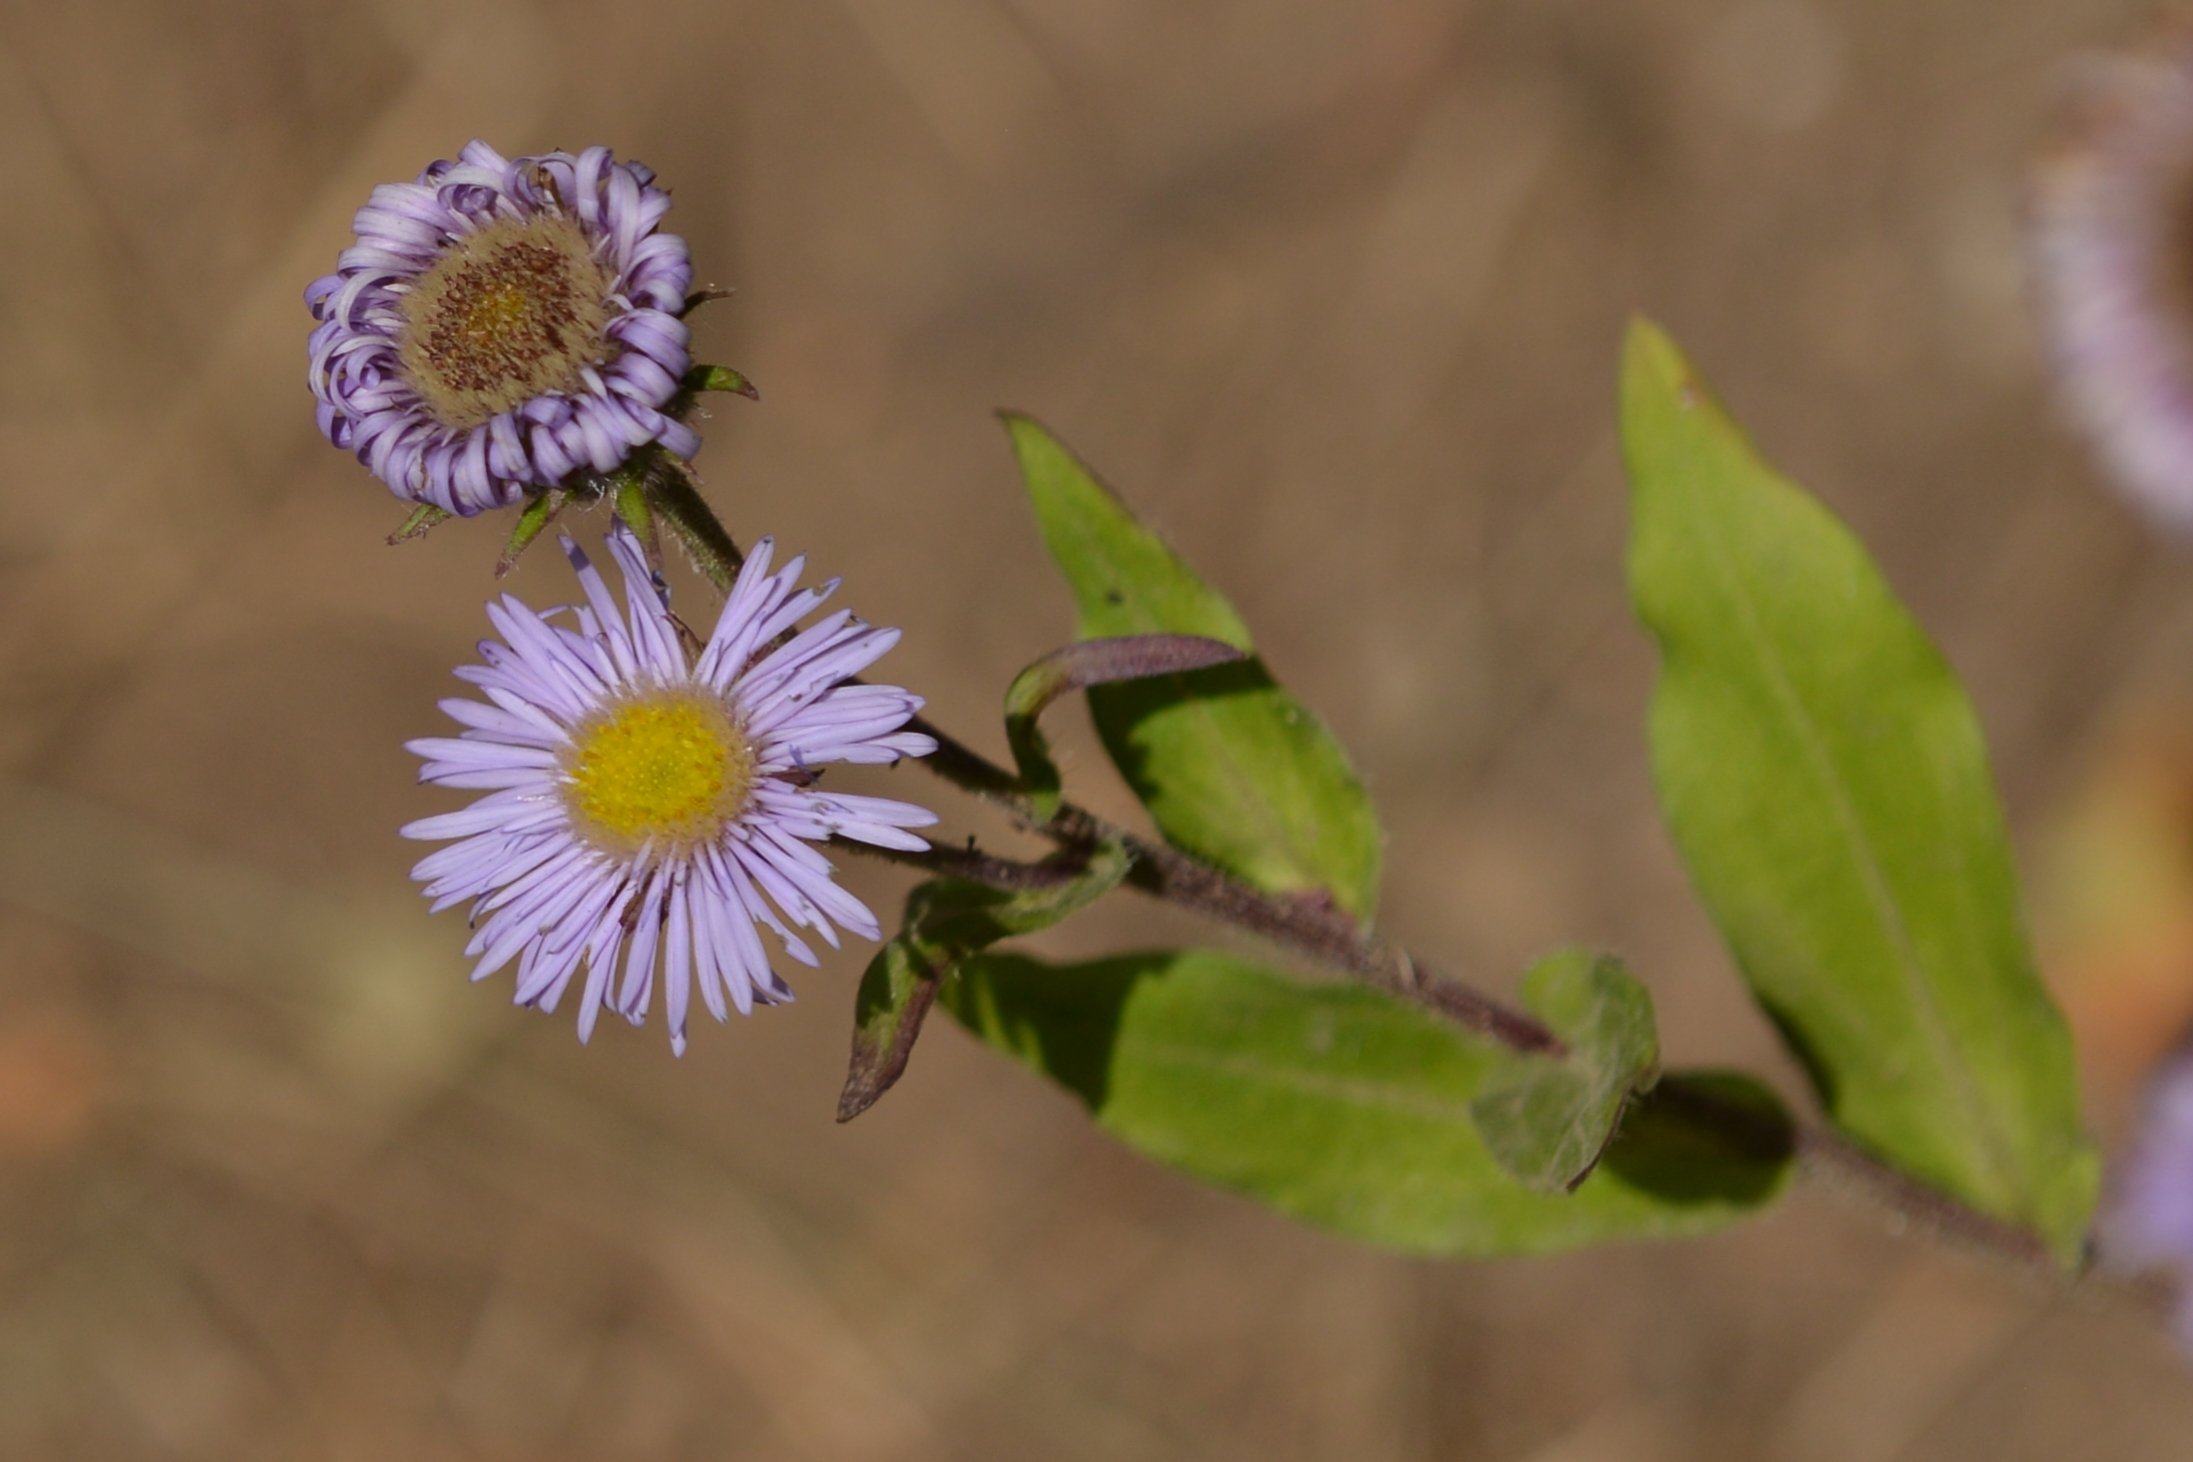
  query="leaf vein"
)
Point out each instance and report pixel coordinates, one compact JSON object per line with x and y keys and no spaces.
{"x":1880,"y":894}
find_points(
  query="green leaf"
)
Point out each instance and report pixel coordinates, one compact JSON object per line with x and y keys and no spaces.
{"x":1547,"y":1119}
{"x":1350,"y":1109}
{"x":896,"y":991}
{"x":1825,"y":779}
{"x":1077,"y":667}
{"x":1232,"y":768}
{"x":948,"y":919}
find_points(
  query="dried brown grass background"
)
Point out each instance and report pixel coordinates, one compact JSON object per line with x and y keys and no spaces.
{"x":1333,"y":291}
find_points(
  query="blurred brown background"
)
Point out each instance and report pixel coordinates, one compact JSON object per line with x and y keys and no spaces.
{"x":1332,"y":289}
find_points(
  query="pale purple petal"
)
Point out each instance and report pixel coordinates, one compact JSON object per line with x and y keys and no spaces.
{"x":2111,"y":268}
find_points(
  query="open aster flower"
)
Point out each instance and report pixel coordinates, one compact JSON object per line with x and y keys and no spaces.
{"x":2113,"y":257}
{"x":646,"y":806}
{"x":502,"y":323}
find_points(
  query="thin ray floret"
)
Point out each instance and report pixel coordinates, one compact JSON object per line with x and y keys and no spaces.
{"x":647,"y":812}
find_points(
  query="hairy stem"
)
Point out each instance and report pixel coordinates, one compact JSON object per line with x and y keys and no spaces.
{"x":675,"y":501}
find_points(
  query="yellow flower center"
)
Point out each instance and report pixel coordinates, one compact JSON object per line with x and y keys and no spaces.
{"x":668,"y":767}
{"x":511,"y":312}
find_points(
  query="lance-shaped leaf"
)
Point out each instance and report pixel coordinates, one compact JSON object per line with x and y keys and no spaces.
{"x":1351,"y":1110}
{"x":1077,"y":667}
{"x":1231,"y":767}
{"x":947,"y":920}
{"x":1548,"y":1118}
{"x":1825,"y":779}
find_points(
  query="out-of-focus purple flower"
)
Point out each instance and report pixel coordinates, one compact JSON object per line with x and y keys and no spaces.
{"x":501,"y":324}
{"x":649,"y":806}
{"x":2113,"y":257}
{"x":2148,"y":1224}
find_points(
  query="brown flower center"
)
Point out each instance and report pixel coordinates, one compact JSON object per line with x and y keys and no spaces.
{"x":511,"y":312}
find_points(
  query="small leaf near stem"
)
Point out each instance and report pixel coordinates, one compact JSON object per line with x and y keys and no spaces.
{"x":1547,"y":1118}
{"x":1233,"y":769}
{"x":422,"y":518}
{"x":1077,"y":667}
{"x":540,"y":510}
{"x":947,"y":921}
{"x":896,"y":992}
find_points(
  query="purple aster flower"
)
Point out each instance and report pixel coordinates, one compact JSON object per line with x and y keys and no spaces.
{"x":647,"y":805}
{"x":501,"y":324}
{"x":2148,"y":1223}
{"x":2113,"y":257}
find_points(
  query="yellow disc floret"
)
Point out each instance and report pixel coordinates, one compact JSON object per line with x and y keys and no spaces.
{"x":511,"y":312}
{"x":668,"y":767}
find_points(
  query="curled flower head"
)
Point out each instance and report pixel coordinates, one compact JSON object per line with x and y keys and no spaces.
{"x":646,"y":806}
{"x":2113,"y":258}
{"x":501,"y":324}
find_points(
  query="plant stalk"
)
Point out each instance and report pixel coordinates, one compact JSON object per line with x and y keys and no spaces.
{"x":1328,"y":937}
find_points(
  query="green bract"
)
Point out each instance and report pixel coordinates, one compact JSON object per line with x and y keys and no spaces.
{"x":948,"y":919}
